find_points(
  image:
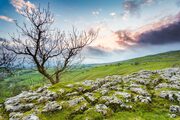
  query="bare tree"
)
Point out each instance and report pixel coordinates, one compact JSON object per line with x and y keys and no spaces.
{"x":7,"y":58}
{"x":43,"y":44}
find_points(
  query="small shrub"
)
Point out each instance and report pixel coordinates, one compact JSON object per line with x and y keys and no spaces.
{"x":135,"y":63}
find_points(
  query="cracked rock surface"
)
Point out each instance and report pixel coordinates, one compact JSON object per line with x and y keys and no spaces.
{"x":104,"y":96}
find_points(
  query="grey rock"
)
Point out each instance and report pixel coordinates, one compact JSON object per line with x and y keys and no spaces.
{"x":101,"y":108}
{"x":111,"y":100}
{"x":104,"y":91}
{"x":15,"y":116}
{"x":31,"y":117}
{"x":19,"y":107}
{"x":135,"y":85}
{"x":25,"y":95}
{"x":172,"y":115}
{"x":143,"y":81}
{"x":51,"y":106}
{"x":174,"y":109}
{"x":126,"y":106}
{"x":88,"y":82}
{"x":124,"y":94}
{"x":41,"y":89}
{"x":82,"y":108}
{"x":50,"y":95}
{"x":140,"y":91}
{"x":143,"y":99}
{"x":171,"y":95}
{"x":43,"y":99}
{"x":90,"y":97}
{"x":76,"y":101}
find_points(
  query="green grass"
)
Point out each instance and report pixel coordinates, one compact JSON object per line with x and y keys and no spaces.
{"x":155,"y":111}
{"x":31,"y":78}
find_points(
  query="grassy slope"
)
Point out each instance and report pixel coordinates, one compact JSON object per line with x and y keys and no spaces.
{"x":153,"y":62}
{"x":30,"y":78}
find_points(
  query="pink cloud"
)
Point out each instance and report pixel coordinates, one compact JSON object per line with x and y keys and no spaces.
{"x":5,"y":18}
{"x":20,"y":4}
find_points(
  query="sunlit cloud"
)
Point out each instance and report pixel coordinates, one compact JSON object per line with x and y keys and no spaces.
{"x":7,"y":19}
{"x":112,"y":14}
{"x":106,"y":38}
{"x":164,"y":31}
{"x":20,"y":4}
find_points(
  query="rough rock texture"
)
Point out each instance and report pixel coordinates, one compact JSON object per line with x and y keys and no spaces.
{"x":110,"y":94}
{"x":101,"y":108}
{"x":31,"y":117}
{"x":51,"y":106}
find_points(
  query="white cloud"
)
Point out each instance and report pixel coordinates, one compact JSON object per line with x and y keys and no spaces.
{"x":20,"y":4}
{"x":95,"y":12}
{"x":112,"y":14}
{"x":5,"y":18}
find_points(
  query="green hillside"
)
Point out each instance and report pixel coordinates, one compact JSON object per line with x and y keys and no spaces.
{"x":23,"y":79}
{"x":28,"y":79}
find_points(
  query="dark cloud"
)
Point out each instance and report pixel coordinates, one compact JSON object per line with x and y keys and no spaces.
{"x":95,"y":51}
{"x":132,"y":7}
{"x":164,"y":35}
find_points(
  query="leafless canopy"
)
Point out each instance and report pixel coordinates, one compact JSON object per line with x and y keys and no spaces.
{"x":41,"y":43}
{"x":7,"y":58}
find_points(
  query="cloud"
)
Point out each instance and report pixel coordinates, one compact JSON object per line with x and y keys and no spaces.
{"x":106,"y":38}
{"x":112,"y":14}
{"x":164,"y":31}
{"x":95,"y":12}
{"x":166,"y":34}
{"x":133,"y":7}
{"x":125,"y":38}
{"x":95,"y":51}
{"x":21,"y":4}
{"x":7,"y":19}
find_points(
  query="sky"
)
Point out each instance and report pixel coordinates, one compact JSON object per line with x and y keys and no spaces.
{"x":128,"y":28}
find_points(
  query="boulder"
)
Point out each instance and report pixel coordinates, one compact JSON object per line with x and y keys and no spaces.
{"x":140,"y":91}
{"x":19,"y":107}
{"x":111,"y":101}
{"x":124,"y":94}
{"x":172,"y":115}
{"x":51,"y":106}
{"x":171,"y":95}
{"x":101,"y":108}
{"x":31,"y":117}
{"x":41,"y":89}
{"x":90,"y":97}
{"x":15,"y":116}
{"x":75,"y":101}
{"x":88,"y":82}
{"x":174,"y":109}
{"x":80,"y":108}
{"x":142,"y":99}
{"x":104,"y":91}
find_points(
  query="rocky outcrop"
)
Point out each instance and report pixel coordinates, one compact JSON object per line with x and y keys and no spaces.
{"x":110,"y":94}
{"x":51,"y":107}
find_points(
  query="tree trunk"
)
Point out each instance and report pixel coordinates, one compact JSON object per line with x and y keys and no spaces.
{"x":57,"y":77}
{"x":44,"y":73}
